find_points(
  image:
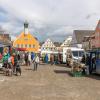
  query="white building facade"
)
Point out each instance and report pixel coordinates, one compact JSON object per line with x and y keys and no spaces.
{"x":48,"y":47}
{"x":67,"y":42}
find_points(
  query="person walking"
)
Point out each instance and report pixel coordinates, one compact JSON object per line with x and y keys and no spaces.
{"x":36,"y":62}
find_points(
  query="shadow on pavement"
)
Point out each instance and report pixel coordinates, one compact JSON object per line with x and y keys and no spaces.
{"x":28,"y":69}
{"x":61,"y":65}
{"x":94,"y":76}
{"x":42,"y":64}
{"x":1,"y":71}
{"x":62,"y":72}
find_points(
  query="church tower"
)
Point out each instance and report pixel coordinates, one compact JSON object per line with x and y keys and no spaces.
{"x":26,"y":41}
{"x":26,"y":28}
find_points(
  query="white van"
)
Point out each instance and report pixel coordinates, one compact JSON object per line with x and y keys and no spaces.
{"x":77,"y":53}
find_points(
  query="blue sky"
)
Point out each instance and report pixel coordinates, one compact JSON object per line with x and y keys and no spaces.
{"x":49,"y":18}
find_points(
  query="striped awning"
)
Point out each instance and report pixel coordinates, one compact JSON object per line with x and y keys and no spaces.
{"x":21,"y":49}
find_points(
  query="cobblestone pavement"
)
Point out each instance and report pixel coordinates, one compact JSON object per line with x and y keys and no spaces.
{"x":49,"y":83}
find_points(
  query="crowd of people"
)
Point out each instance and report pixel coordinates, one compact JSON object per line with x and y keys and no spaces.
{"x":31,"y":59}
{"x":12,"y":61}
{"x":52,"y":58}
{"x":10,"y":64}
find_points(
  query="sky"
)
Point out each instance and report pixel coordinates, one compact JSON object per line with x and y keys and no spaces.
{"x":55,"y":19}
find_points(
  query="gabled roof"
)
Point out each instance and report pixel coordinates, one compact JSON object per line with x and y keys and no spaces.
{"x":57,"y":44}
{"x":28,"y":36}
{"x":48,"y":43}
{"x":80,"y":34}
{"x":67,"y":41}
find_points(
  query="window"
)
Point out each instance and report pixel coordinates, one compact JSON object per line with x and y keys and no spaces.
{"x":75,"y":53}
{"x":21,"y":45}
{"x":29,"y":45}
{"x":48,"y":48}
{"x":33,"y":46}
{"x":25,"y":39}
{"x":25,"y":45}
{"x":18,"y":45}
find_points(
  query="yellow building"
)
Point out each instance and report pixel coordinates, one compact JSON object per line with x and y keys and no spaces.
{"x":27,"y":41}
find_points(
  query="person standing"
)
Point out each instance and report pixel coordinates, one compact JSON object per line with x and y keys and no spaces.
{"x":88,"y":63}
{"x":12,"y":59}
{"x":15,"y":62}
{"x":83,"y":60}
{"x":52,"y":59}
{"x":5,"y":58}
{"x":29,"y":59}
{"x":10,"y":65}
{"x":46,"y":58}
{"x":0,"y":56}
{"x":26,"y":59}
{"x":32,"y":56}
{"x":23,"y":58}
{"x":36,"y":62}
{"x":18,"y":56}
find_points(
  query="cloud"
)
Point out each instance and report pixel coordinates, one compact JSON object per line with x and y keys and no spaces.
{"x":49,"y":18}
{"x":92,"y":15}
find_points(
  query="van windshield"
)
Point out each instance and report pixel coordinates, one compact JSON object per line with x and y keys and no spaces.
{"x":75,"y":53}
{"x":78,"y":53}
